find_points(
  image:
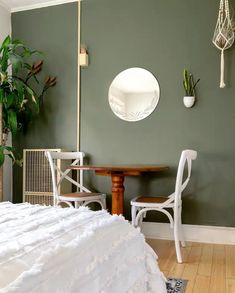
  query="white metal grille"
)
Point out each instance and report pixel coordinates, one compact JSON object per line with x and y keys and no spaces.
{"x":43,"y":199}
{"x":37,"y":183}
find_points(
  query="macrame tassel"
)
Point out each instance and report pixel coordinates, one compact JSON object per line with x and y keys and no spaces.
{"x":222,"y":84}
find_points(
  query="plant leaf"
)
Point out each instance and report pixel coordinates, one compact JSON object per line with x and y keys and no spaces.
{"x":4,"y":60}
{"x":12,"y":121}
{"x":10,"y":153}
{"x":5,"y":43}
{"x":16,"y":61}
{"x":10,"y":98}
{"x":2,"y":156}
{"x":1,"y":95}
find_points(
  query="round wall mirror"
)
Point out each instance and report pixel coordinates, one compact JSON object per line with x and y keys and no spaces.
{"x":134,"y":94}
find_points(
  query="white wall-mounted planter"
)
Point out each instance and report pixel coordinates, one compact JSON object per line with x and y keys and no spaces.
{"x":189,"y":101}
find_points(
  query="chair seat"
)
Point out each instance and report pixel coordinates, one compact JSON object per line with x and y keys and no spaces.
{"x":81,"y":194}
{"x":150,"y":199}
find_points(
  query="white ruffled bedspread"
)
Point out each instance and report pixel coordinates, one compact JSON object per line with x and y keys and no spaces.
{"x":50,"y":249}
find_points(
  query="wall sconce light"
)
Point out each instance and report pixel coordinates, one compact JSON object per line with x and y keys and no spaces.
{"x":83,"y":57}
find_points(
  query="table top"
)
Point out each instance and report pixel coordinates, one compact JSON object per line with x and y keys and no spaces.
{"x":121,"y":168}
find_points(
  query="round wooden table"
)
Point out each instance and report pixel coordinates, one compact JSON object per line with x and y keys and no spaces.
{"x":118,"y":173}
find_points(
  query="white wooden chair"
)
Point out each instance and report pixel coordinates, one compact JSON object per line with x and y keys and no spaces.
{"x":141,"y":205}
{"x":82,"y":196}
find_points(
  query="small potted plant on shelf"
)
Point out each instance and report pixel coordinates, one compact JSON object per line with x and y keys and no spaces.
{"x":189,"y":86}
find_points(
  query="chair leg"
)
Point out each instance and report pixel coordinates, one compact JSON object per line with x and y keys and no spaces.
{"x":141,"y":220}
{"x":182,"y":239}
{"x":76,"y":204}
{"x":133,"y":215}
{"x":177,"y":216}
{"x":177,"y":242}
{"x":141,"y":217}
{"x":103,"y":203}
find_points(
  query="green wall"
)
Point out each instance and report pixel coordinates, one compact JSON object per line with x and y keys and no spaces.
{"x":52,"y":30}
{"x":162,"y":37}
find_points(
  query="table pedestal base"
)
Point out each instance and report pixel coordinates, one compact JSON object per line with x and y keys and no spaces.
{"x":117,"y":194}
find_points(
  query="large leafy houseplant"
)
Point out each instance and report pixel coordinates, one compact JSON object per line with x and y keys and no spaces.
{"x":21,"y":92}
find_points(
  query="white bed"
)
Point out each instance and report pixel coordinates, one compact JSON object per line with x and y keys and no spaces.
{"x":50,"y":249}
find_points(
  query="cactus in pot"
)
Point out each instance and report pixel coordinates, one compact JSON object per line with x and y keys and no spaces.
{"x":189,"y":87}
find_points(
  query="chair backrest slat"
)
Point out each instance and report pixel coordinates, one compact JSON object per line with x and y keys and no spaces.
{"x":186,"y":158}
{"x":59,"y":175}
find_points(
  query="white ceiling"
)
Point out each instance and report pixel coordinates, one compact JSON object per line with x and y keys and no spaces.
{"x":19,"y":5}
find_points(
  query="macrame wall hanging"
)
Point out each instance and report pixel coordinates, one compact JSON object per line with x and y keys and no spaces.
{"x":224,"y":35}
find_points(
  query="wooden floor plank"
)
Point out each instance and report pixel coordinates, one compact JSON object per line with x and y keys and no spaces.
{"x":202,"y":284}
{"x":189,"y":287}
{"x":190,"y":271}
{"x":178,"y":269}
{"x":217,"y":284}
{"x":230,"y":285}
{"x":162,"y":248}
{"x":195,"y":254}
{"x":209,"y":268}
{"x":165,"y":273}
{"x":205,"y":265}
{"x":230,"y":261}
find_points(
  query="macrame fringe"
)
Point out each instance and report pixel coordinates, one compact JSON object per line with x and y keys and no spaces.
{"x":223,"y":35}
{"x":222,"y":84}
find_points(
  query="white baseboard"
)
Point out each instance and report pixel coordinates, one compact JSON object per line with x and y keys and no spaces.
{"x":195,"y":233}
